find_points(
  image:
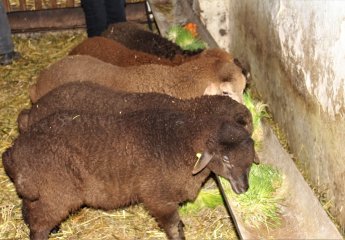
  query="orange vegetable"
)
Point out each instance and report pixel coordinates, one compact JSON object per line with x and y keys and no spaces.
{"x":192,"y":27}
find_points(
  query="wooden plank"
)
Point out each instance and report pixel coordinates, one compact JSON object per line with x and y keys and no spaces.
{"x":7,"y":5}
{"x":47,"y":19}
{"x":63,"y":18}
{"x":164,"y":13}
{"x":38,"y":4}
{"x":69,"y":3}
{"x":53,"y":3}
{"x":22,"y":5}
{"x":304,"y":215}
{"x":170,"y":12}
{"x":204,"y":34}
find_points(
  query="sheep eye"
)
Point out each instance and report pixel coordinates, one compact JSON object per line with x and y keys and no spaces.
{"x":241,"y":120}
{"x":226,"y":159}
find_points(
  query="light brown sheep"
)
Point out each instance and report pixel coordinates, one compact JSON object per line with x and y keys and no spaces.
{"x":213,"y":72}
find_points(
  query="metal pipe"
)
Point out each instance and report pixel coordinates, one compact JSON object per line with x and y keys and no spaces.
{"x":227,"y":206}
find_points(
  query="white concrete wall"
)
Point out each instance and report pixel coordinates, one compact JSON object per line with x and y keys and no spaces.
{"x":214,"y":15}
{"x":296,"y":53}
{"x":313,"y":32}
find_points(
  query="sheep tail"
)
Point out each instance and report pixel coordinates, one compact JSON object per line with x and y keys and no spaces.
{"x":8,"y":163}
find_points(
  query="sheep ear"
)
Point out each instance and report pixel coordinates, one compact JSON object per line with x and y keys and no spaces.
{"x":202,"y":162}
{"x":223,"y":69}
{"x":212,"y":89}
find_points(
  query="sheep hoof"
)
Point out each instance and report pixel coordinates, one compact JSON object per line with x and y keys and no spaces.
{"x":180,"y":230}
{"x":41,"y":235}
{"x":56,"y":229}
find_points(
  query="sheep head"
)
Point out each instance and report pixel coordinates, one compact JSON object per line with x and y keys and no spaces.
{"x":231,"y":81}
{"x":218,"y":53}
{"x":229,"y":153}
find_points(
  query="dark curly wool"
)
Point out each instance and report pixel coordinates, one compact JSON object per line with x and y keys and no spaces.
{"x":94,"y":98}
{"x":70,"y":160}
{"x":133,"y":36}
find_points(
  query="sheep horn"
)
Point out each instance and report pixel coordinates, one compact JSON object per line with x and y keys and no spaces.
{"x":202,"y":162}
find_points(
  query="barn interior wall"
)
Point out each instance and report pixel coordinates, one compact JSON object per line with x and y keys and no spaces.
{"x":295,"y":50}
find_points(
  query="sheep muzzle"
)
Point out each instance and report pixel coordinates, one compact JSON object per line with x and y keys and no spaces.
{"x":240,"y":184}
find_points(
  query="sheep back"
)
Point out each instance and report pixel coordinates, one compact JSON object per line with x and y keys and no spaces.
{"x":93,"y":98}
{"x":134,"y":36}
{"x":115,"y":53}
{"x":187,"y":80}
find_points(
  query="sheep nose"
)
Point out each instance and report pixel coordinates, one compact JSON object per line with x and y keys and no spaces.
{"x":225,"y":93}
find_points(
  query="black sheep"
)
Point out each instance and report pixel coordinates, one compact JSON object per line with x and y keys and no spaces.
{"x":134,"y":36}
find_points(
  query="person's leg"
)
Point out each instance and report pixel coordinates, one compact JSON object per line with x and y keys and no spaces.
{"x":6,"y":44}
{"x":115,"y":11}
{"x":7,"y":53}
{"x":95,"y":16}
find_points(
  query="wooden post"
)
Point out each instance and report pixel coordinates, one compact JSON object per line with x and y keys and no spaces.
{"x":69,"y":3}
{"x":63,"y":18}
{"x":53,"y":4}
{"x":22,"y":5}
{"x":38,"y":4}
{"x":7,"y":5}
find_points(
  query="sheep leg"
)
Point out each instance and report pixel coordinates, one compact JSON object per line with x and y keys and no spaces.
{"x":168,"y":218}
{"x":42,"y":218}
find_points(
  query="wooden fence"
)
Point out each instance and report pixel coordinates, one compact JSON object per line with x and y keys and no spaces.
{"x":51,"y":15}
{"x":25,"y":5}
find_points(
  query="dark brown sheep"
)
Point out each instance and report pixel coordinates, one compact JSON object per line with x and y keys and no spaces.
{"x":134,"y":36}
{"x":69,"y":160}
{"x":94,"y":98}
{"x":211,"y":73}
{"x":115,"y":53}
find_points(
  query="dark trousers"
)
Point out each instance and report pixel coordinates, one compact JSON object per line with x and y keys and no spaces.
{"x":6,"y":44}
{"x":100,"y":13}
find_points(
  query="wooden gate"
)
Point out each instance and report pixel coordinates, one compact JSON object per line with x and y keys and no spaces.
{"x":49,"y":15}
{"x":24,"y":5}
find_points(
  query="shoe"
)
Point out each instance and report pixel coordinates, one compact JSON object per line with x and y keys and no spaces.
{"x":8,"y":58}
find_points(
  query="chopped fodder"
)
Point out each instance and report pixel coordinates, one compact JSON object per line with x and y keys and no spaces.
{"x":38,"y":52}
{"x":258,"y":111}
{"x":185,"y":38}
{"x":259,"y":206}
